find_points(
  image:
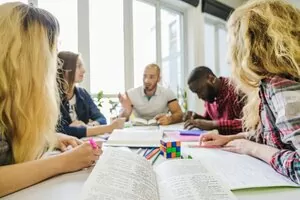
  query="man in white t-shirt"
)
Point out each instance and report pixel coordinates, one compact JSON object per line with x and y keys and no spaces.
{"x":151,"y":101}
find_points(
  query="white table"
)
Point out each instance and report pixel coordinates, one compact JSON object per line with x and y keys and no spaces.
{"x":68,"y":187}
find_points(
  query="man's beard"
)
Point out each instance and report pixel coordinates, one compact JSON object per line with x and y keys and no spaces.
{"x":150,"y":88}
{"x":211,"y":94}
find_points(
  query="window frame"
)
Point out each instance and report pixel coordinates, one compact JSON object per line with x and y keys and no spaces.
{"x":217,"y":24}
{"x":84,"y":39}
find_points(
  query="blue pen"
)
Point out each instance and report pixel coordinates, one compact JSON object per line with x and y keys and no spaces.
{"x":145,"y":152}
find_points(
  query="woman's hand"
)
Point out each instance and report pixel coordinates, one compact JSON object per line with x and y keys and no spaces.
{"x":241,"y":146}
{"x":213,"y":139}
{"x":65,"y":140}
{"x":80,"y":157}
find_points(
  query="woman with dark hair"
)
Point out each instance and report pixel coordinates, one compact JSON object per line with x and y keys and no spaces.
{"x":80,"y":117}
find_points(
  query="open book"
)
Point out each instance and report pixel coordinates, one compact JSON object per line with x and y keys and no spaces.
{"x":144,"y":122}
{"x":239,"y":171}
{"x":135,"y":138}
{"x":121,"y":175}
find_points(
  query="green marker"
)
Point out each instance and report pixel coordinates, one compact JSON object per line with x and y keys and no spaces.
{"x":190,"y":157}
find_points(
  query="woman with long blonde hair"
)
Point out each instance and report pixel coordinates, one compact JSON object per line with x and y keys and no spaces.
{"x":264,"y":40}
{"x":29,"y":106}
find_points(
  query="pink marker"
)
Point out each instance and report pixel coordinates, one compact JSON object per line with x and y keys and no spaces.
{"x":93,"y":143}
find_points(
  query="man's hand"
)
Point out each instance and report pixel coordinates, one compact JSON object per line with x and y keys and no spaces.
{"x":163,"y":119}
{"x":201,"y":124}
{"x":191,"y":115}
{"x":124,"y":101}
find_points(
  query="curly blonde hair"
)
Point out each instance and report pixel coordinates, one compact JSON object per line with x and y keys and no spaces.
{"x":29,"y":106}
{"x":264,"y":41}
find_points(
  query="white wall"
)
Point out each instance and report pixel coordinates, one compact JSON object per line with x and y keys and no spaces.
{"x":194,"y":41}
{"x":295,"y":2}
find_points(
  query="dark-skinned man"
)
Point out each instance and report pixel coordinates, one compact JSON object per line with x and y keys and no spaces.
{"x":223,"y":106}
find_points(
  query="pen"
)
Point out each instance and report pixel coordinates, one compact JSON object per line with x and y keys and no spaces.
{"x":153,"y":152}
{"x":145,"y":152}
{"x":148,"y":152}
{"x":93,"y":143}
{"x":155,"y":158}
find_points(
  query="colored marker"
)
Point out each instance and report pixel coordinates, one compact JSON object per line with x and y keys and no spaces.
{"x":150,"y":155}
{"x":93,"y":143}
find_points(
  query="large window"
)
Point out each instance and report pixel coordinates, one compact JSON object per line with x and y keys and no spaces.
{"x":215,"y":34}
{"x":6,"y":1}
{"x":106,"y":46}
{"x":66,"y":13}
{"x":172,"y":52}
{"x":118,"y":38}
{"x":144,"y":38}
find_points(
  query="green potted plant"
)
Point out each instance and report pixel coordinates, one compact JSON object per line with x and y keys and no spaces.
{"x":182,"y":98}
{"x":113,"y":107}
{"x":99,"y":99}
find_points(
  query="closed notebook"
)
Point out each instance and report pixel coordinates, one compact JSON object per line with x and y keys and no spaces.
{"x":192,"y":132}
{"x":135,"y":138}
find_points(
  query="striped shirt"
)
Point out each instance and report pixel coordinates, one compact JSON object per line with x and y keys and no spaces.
{"x":226,"y":109}
{"x":280,"y":124}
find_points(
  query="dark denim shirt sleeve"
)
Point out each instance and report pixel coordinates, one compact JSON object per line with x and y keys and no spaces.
{"x":95,"y":113}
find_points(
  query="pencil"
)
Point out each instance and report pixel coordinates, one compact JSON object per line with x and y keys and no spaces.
{"x":150,"y":155}
{"x":155,"y":158}
{"x":139,"y":151}
{"x":148,"y":152}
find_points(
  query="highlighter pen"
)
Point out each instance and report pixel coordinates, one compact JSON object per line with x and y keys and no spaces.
{"x":93,"y":143}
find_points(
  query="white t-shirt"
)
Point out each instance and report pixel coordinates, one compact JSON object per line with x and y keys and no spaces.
{"x":72,"y":108}
{"x":148,"y":109}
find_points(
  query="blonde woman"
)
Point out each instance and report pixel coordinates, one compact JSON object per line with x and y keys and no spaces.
{"x":264,"y":39}
{"x":29,"y":106}
{"x":80,"y":117}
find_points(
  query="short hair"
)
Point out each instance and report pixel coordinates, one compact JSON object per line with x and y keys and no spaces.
{"x":199,"y":73}
{"x":153,"y":65}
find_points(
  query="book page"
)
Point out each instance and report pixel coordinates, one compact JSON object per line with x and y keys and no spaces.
{"x":135,"y":138}
{"x":188,"y":179}
{"x":139,"y":122}
{"x":152,"y":122}
{"x":121,"y":175}
{"x":239,"y":171}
